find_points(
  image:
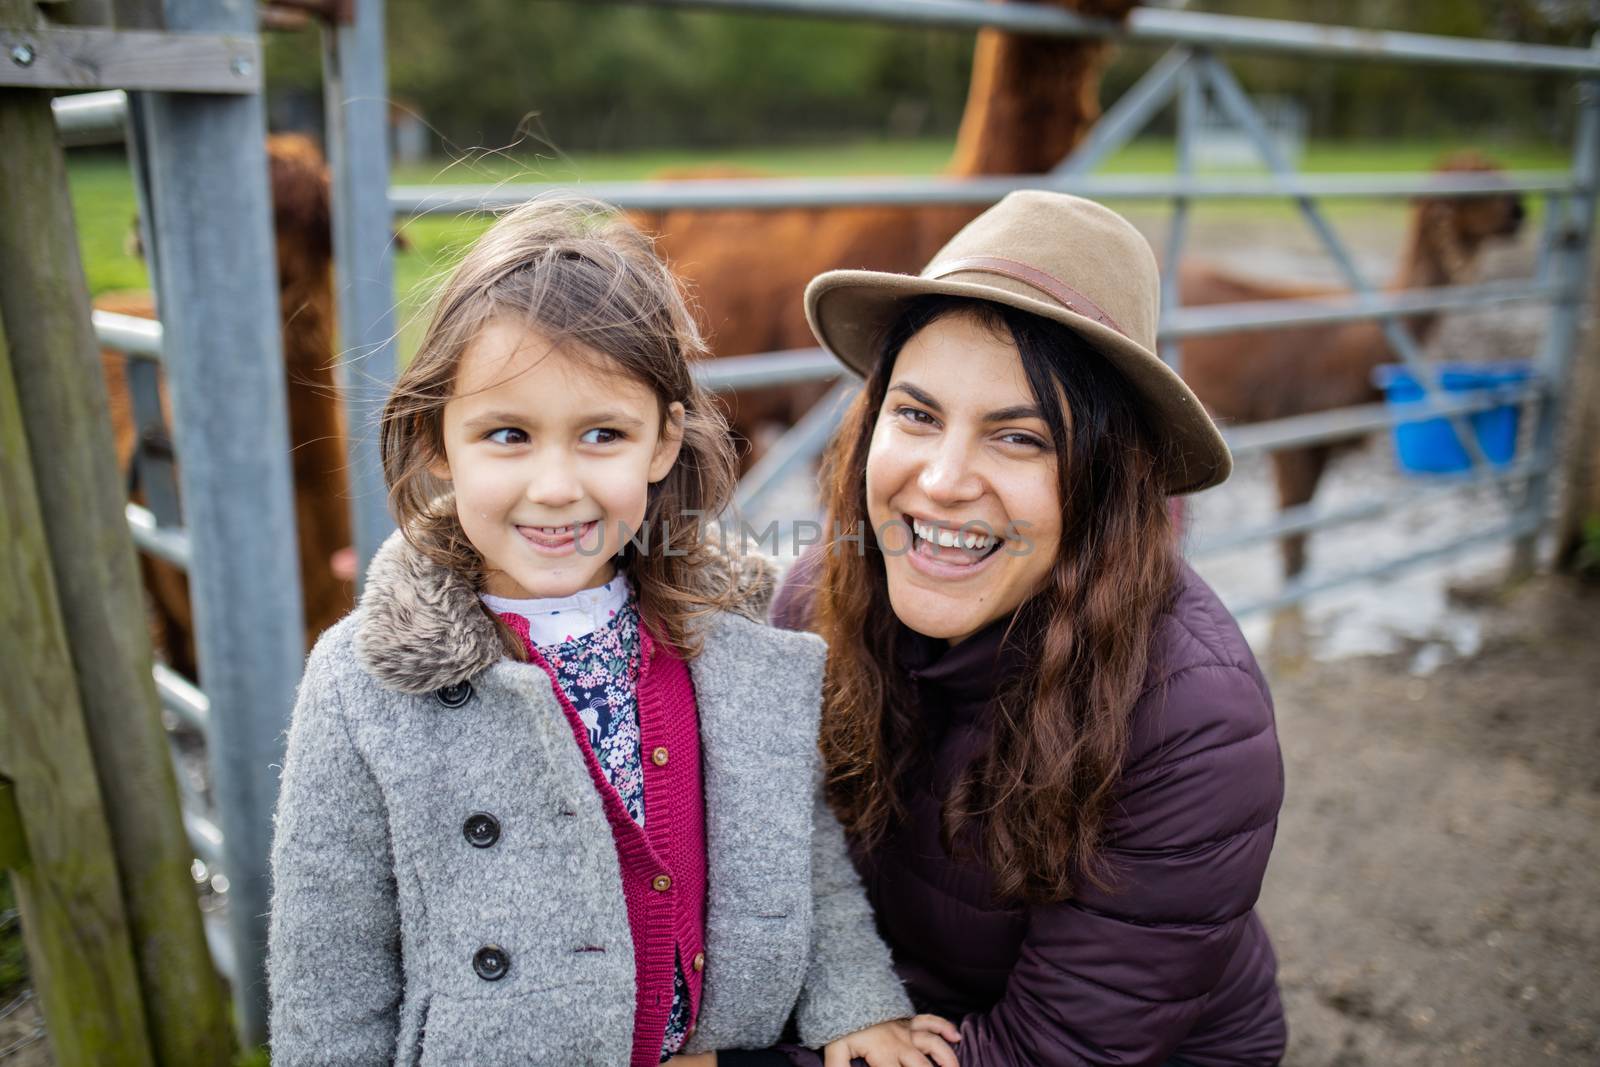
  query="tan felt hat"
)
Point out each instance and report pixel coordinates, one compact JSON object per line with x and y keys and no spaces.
{"x":1063,"y":257}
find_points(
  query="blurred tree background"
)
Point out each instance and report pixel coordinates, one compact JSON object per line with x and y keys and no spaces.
{"x":589,"y":77}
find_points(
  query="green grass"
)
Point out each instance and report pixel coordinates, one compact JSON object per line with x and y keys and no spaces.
{"x":103,"y":193}
{"x":103,"y":201}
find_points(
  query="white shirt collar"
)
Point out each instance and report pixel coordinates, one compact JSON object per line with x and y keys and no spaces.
{"x":553,"y":620}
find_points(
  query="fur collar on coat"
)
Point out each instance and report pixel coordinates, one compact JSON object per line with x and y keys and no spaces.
{"x":422,"y":627}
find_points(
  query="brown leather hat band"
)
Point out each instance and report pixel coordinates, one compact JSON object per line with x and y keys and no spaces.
{"x":1057,"y":289}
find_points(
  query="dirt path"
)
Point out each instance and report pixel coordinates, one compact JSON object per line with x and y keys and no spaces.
{"x":1434,"y":894}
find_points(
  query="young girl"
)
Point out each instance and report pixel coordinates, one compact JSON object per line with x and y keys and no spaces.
{"x":551,"y":796}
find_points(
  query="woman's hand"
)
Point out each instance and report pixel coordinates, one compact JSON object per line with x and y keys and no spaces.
{"x":916,"y":1042}
{"x":697,"y":1059}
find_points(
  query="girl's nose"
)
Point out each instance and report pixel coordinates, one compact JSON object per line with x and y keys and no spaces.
{"x":949,"y":476}
{"x":553,"y":483}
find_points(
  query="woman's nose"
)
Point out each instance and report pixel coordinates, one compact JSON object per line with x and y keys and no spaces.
{"x":949,"y":476}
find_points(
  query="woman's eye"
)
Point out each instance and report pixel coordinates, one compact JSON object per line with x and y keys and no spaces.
{"x":915,"y":415}
{"x":1025,"y":439}
{"x":507,"y":435}
{"x":601,"y":435}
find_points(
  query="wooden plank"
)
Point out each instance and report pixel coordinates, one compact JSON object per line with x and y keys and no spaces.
{"x":62,"y":422}
{"x":73,"y":923}
{"x":61,"y":57}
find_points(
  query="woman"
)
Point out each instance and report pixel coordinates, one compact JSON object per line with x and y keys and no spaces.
{"x":1051,"y":747}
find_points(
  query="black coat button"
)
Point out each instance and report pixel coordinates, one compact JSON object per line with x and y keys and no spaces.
{"x":481,"y":829}
{"x":453,"y":696}
{"x":491,"y":962}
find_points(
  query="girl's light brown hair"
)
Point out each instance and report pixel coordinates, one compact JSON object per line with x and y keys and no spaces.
{"x":1033,"y":803}
{"x":577,"y":273}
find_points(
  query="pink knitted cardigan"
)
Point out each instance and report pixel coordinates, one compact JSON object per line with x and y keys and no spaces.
{"x":664,"y":862}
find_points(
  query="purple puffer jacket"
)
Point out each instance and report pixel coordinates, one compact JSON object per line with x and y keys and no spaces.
{"x":1173,"y":962}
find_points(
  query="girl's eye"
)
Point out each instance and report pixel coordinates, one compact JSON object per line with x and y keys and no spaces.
{"x":601,"y":435}
{"x":507,"y":435}
{"x":916,"y":416}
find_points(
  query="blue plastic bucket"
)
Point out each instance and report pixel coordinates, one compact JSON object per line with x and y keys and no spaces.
{"x":1431,"y":446}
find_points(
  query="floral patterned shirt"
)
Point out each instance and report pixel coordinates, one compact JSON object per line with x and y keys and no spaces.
{"x":598,"y":670}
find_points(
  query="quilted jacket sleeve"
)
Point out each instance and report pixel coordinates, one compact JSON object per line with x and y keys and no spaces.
{"x":1120,"y":976}
{"x":333,"y":944}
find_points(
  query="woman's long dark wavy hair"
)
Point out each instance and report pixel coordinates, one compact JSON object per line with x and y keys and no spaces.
{"x":1034,"y":804}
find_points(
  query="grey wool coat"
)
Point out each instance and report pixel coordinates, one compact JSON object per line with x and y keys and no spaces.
{"x":409,"y":720}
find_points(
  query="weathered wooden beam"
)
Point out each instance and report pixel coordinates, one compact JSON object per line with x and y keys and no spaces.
{"x":60,"y":57}
{"x":60,"y":415}
{"x":13,"y":838}
{"x":79,"y":951}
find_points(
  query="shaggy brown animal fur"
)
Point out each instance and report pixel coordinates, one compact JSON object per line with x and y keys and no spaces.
{"x":302,"y":221}
{"x":1031,"y":100}
{"x":1262,"y":375}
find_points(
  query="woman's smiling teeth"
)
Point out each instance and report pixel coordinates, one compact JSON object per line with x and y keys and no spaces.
{"x":965,"y":541}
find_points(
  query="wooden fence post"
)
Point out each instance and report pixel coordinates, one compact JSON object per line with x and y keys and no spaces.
{"x":64,"y":870}
{"x":60,"y":409}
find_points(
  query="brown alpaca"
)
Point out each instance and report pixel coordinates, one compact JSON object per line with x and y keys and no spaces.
{"x":1262,"y":375}
{"x":302,"y":222}
{"x":1030,"y":101}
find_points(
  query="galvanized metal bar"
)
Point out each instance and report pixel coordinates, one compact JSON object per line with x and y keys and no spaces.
{"x":1190,"y":101}
{"x":1304,"y":518}
{"x":1131,"y":113}
{"x":1295,"y":592}
{"x":218,"y":292}
{"x":1276,"y":314}
{"x":206,"y":839}
{"x":1285,"y":38}
{"x":164,"y":542}
{"x":801,"y":444}
{"x":1233,"y":100}
{"x":1555,"y":210}
{"x":154,"y":458}
{"x":1343,"y":423}
{"x":129,"y":334}
{"x":776,"y":193}
{"x":181,"y":698}
{"x":1161,"y":26}
{"x":87,"y":119}
{"x":772,"y":368}
{"x":154,"y":473}
{"x":1570,"y":261}
{"x":356,"y":103}
{"x":1313,"y":428}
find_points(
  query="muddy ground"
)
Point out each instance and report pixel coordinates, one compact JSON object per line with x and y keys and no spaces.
{"x":1434,"y":893}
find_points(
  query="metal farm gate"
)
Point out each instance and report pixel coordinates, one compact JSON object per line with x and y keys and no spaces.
{"x":249,"y":681}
